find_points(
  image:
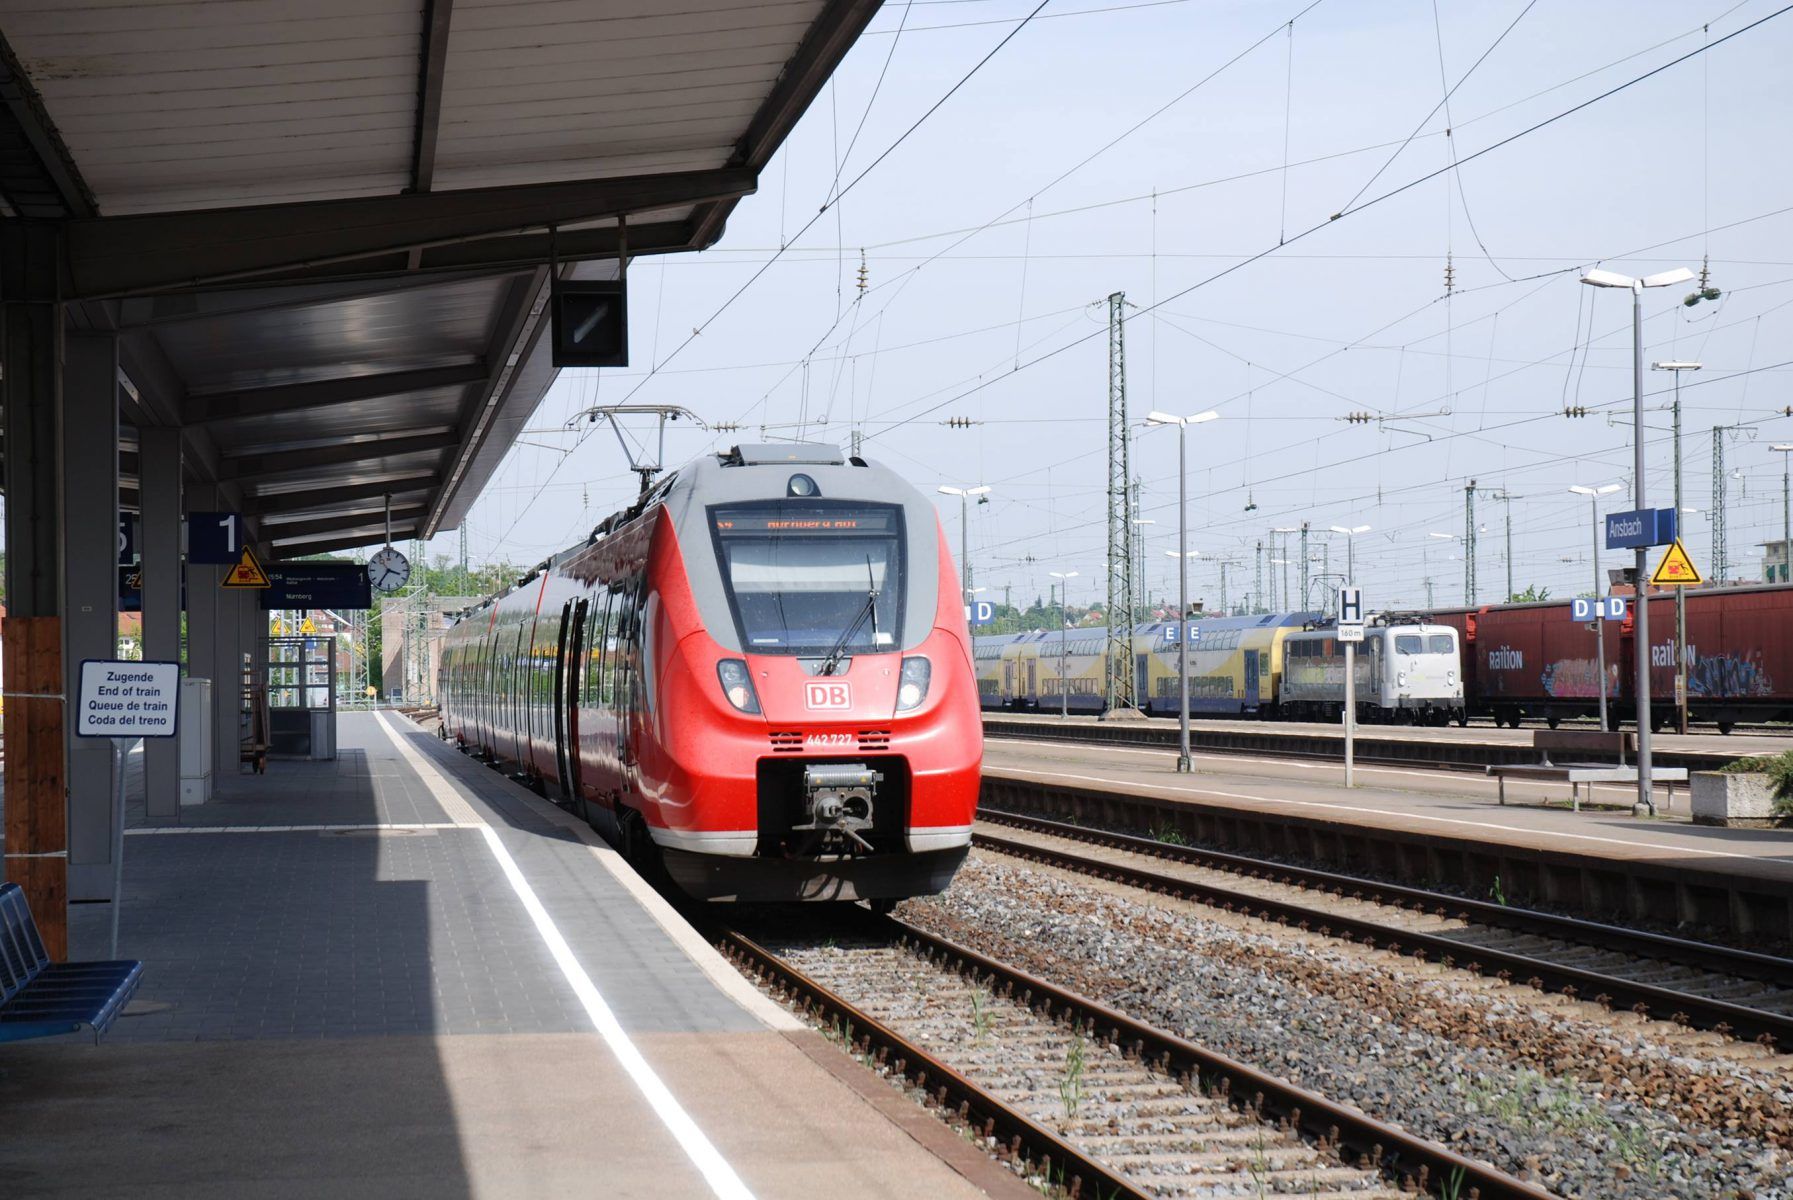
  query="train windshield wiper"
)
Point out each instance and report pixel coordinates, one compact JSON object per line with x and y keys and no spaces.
{"x":868,"y":609}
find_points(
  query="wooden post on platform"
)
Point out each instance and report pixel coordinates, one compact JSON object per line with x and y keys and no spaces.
{"x":36,"y":812}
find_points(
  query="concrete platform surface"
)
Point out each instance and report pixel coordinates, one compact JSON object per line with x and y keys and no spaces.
{"x":1731,"y":745}
{"x":399,"y":974}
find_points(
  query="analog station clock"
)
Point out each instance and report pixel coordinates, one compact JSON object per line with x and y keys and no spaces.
{"x":388,"y":570}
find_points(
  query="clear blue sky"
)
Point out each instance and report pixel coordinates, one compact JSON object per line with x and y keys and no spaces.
{"x":991,"y":240}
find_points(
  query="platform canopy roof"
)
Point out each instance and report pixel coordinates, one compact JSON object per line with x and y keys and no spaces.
{"x":322,"y":229}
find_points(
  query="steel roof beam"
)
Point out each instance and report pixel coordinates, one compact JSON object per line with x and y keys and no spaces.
{"x":275,"y":463}
{"x":117,"y":256}
{"x":39,"y":176}
{"x":300,"y":531}
{"x":325,"y":543}
{"x":325,"y":393}
{"x":325,"y":495}
{"x":484,"y":256}
{"x":432,"y":61}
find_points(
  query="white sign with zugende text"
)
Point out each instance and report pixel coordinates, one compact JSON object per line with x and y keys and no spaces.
{"x":122,"y":699}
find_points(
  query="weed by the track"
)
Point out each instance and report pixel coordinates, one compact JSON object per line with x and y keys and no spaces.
{"x":982,"y":1018}
{"x":1070,"y":1084}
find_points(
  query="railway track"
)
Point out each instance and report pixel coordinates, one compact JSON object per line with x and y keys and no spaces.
{"x":1079,"y":1096}
{"x":1737,"y":993}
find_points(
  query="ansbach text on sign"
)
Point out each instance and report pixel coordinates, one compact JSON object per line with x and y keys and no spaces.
{"x":128,"y":699}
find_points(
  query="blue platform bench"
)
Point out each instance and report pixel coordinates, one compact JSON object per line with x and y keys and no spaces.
{"x":40,"y":998}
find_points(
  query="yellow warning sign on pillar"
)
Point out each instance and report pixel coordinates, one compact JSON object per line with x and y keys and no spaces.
{"x":247,"y":573}
{"x":1676,"y":569}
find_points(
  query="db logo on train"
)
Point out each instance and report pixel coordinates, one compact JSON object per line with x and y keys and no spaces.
{"x":827,"y":695}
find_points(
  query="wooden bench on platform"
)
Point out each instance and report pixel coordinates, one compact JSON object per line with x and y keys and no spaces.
{"x":1553,"y":744}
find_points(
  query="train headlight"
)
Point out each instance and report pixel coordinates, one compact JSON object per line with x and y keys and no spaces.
{"x":1450,"y":679}
{"x":737,"y":685}
{"x":912,"y":687}
{"x":1401,"y":679}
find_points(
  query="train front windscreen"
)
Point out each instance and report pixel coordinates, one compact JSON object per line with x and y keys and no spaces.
{"x":808,"y":578}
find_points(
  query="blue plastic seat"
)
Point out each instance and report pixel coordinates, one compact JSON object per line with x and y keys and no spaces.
{"x":40,"y":998}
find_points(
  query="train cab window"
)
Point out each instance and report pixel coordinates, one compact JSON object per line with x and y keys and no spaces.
{"x":802,"y":577}
{"x":1409,"y":643}
{"x":1440,"y":643}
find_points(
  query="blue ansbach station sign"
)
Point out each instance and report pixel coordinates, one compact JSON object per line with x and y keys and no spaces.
{"x":1639,"y":528}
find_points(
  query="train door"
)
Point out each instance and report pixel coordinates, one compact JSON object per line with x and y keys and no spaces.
{"x":566,"y":696}
{"x":1033,"y":680}
{"x":1251,"y":681}
{"x":1142,"y":674}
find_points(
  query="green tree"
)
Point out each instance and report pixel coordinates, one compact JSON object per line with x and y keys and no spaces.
{"x":1530,"y":595}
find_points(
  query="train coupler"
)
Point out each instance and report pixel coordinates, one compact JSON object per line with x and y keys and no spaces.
{"x":838,"y":798}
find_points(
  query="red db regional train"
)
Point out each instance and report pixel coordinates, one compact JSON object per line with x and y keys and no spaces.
{"x":759,"y":674}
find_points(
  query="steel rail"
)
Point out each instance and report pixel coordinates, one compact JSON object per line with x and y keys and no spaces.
{"x":1037,"y":1147}
{"x":1358,"y":1139}
{"x":1661,"y":1003}
{"x":1730,"y":960}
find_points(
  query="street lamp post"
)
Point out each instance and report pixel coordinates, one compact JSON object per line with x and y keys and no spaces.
{"x":965,"y":494}
{"x":1183,"y":556}
{"x":1064,"y":624}
{"x":1611,"y":279}
{"x":1593,"y":494}
{"x":1680,"y":593}
{"x":1351,"y":533}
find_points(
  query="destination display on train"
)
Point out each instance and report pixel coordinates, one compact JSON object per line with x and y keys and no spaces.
{"x":772,"y":521}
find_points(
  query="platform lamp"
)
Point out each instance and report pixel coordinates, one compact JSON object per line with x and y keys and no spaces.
{"x":1183,"y":556}
{"x":1612,"y":279}
{"x":1350,"y":533}
{"x":1593,"y":494}
{"x":964,"y":494}
{"x":1064,"y":632}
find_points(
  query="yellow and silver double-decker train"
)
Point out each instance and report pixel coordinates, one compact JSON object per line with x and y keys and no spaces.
{"x":1238,"y":666}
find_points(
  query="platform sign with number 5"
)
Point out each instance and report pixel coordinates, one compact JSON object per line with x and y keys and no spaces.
{"x":215,"y":538}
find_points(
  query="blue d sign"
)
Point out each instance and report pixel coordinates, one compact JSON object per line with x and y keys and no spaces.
{"x":980,"y":613}
{"x":1605,"y":608}
{"x":1639,"y":528}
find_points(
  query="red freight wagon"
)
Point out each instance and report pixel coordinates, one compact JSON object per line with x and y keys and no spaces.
{"x":1532,"y":660}
{"x":1463,"y":620}
{"x":1739,"y":661}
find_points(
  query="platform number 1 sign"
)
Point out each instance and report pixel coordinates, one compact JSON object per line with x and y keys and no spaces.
{"x":215,"y":538}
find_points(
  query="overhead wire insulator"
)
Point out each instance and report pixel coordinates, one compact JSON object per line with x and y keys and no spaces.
{"x":1575,"y":410}
{"x":864,"y":274}
{"x":960,"y":422}
{"x":1450,"y":275}
{"x":1359,"y":418}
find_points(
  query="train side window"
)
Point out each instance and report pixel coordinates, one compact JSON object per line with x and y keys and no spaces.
{"x":1440,"y":643}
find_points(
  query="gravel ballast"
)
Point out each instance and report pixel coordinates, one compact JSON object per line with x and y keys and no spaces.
{"x":1582,"y":1107}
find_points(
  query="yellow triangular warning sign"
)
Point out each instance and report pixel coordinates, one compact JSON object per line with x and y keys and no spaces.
{"x":1676,"y":569}
{"x":247,"y":573}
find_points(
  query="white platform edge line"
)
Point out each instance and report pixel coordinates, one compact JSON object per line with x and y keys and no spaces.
{"x":1335,"y":766}
{"x":717,"y":969}
{"x":698,"y":1148}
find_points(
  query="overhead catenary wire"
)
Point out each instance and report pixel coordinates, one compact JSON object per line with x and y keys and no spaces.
{"x":1402,"y":189}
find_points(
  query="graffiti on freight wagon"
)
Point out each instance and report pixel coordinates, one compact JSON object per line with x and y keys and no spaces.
{"x":1568,"y":678}
{"x":1729,"y":675}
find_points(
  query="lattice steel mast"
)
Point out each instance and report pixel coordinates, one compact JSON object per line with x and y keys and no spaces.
{"x":1118,"y":690}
